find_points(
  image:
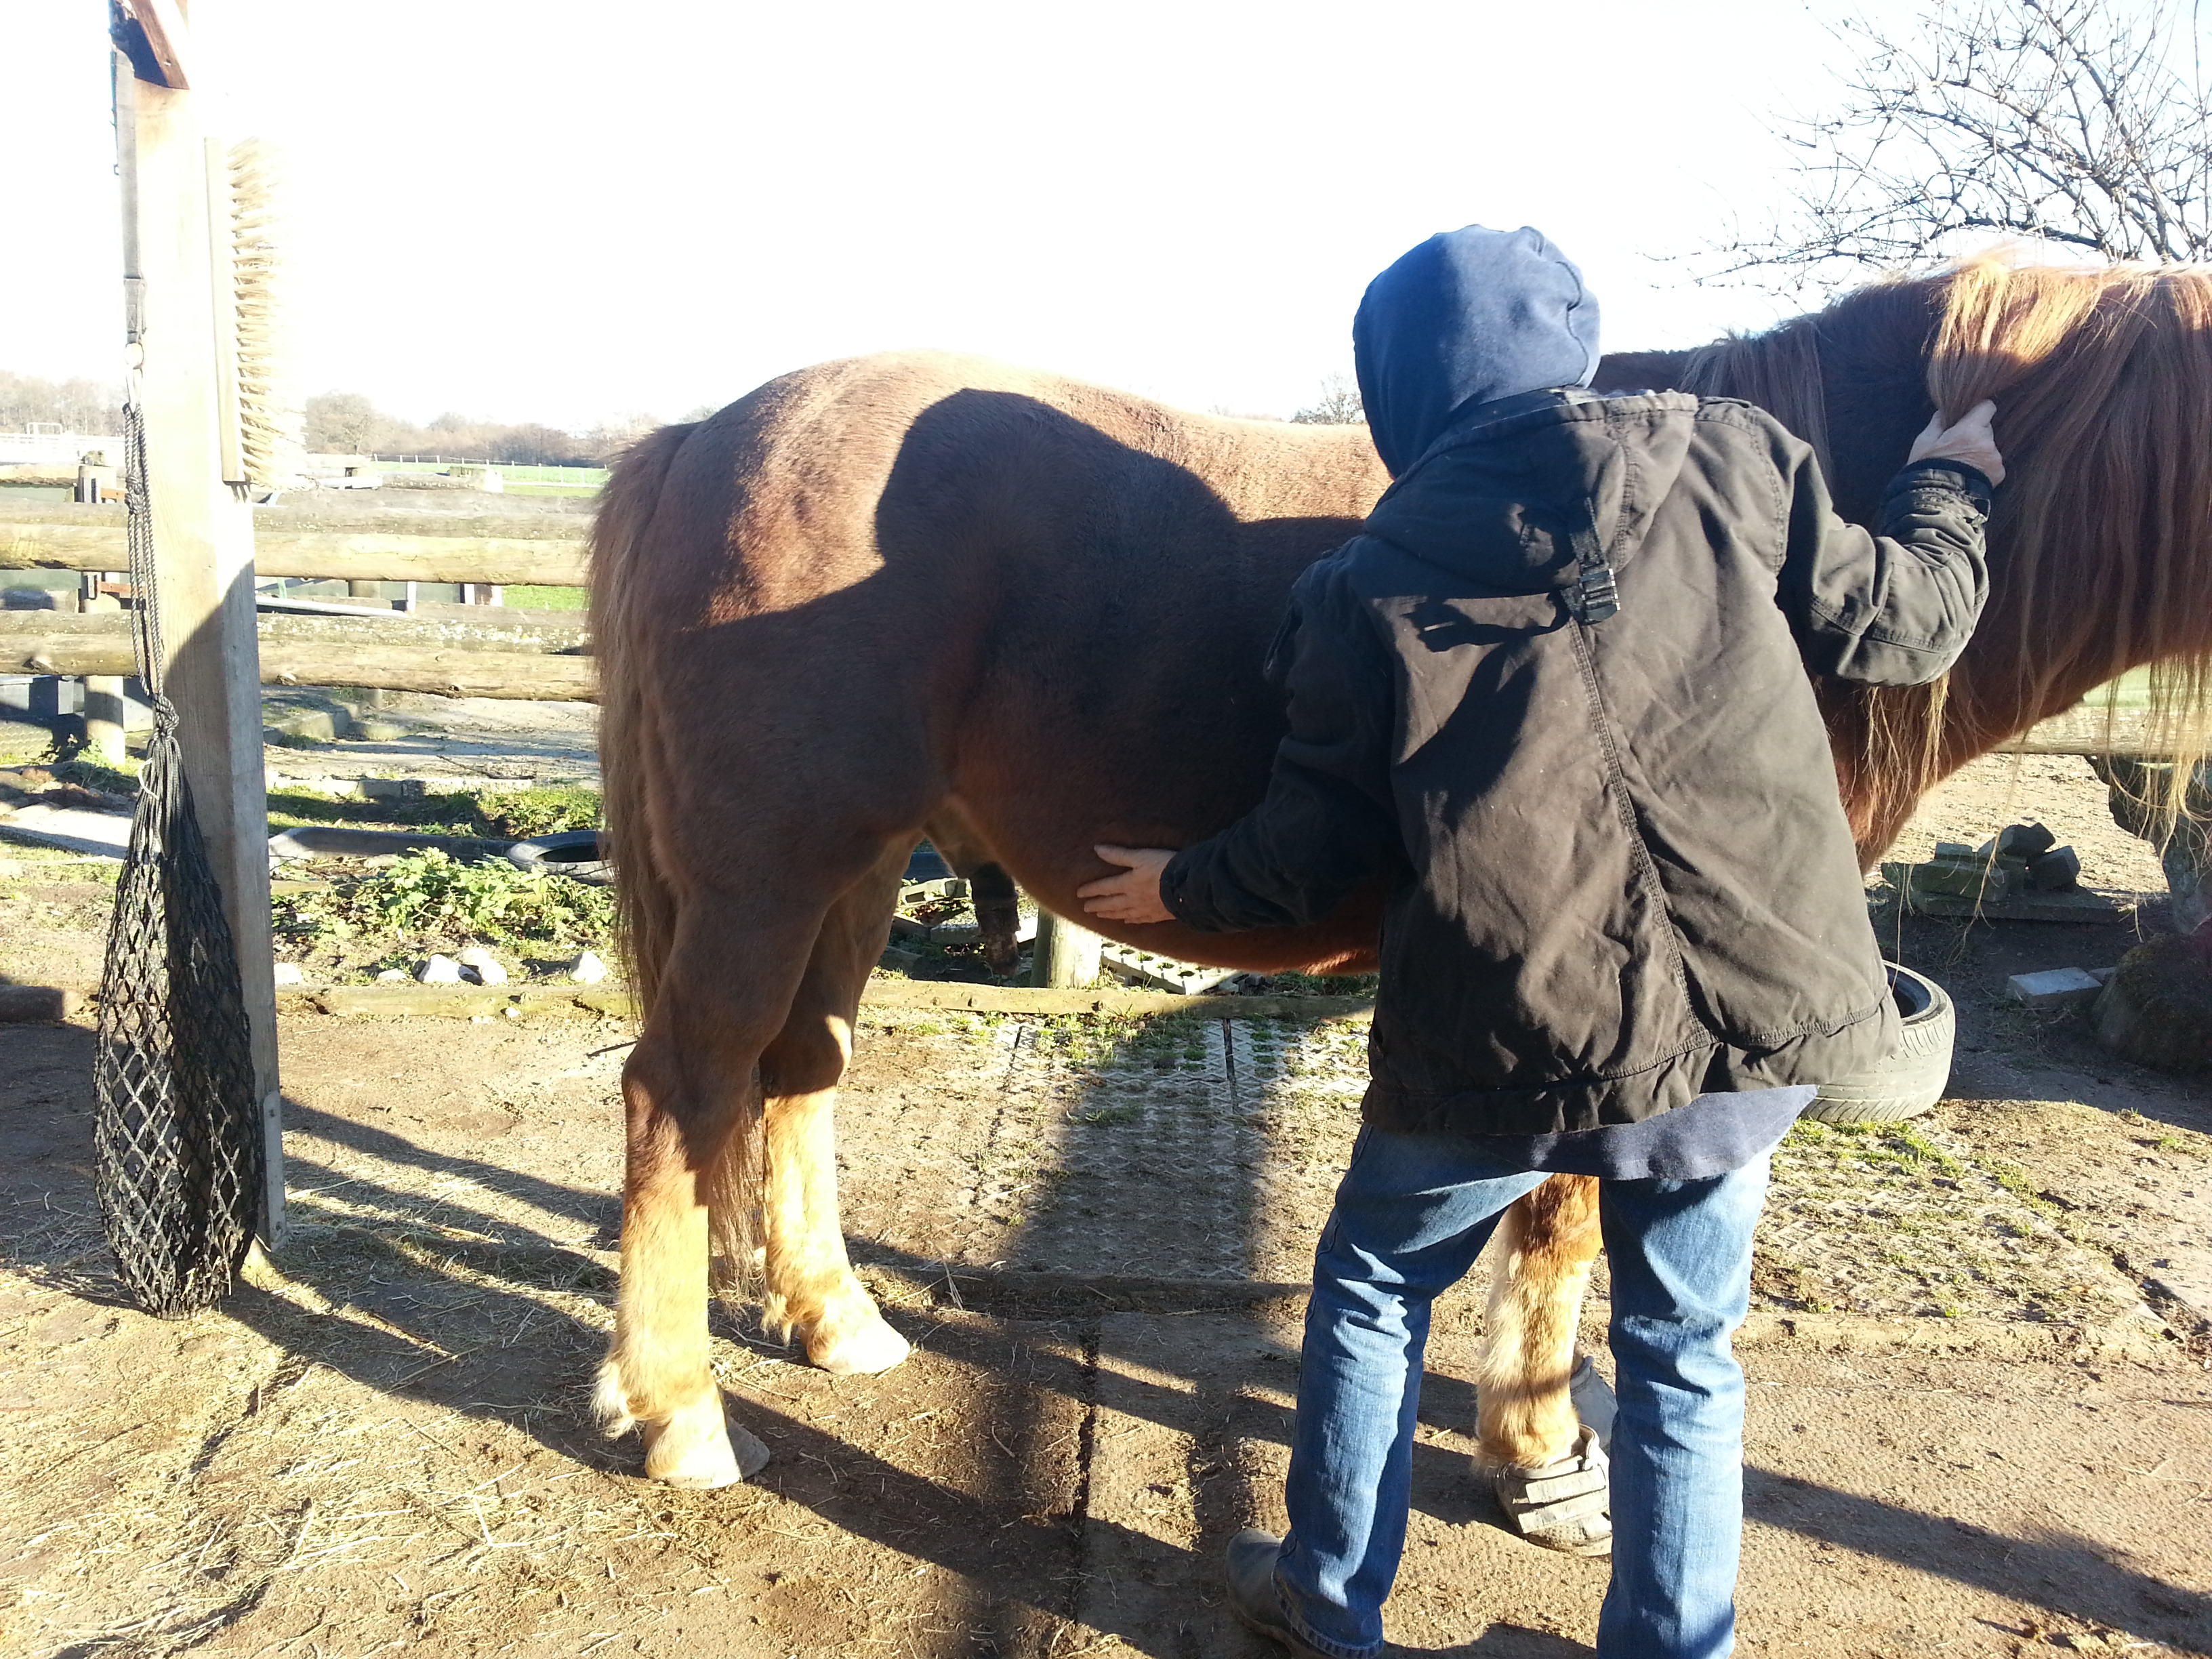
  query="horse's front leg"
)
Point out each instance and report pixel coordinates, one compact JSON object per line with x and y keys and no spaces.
{"x":1550,"y":1485}
{"x":810,"y":1290}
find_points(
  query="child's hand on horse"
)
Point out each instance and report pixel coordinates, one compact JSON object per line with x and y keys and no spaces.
{"x":1132,"y":896}
{"x":1968,"y":439}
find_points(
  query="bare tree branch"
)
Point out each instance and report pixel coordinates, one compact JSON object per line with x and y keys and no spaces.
{"x":1338,"y":405}
{"x":2066,"y":121}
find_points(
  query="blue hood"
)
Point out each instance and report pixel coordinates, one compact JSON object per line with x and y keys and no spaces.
{"x":1468,"y":316}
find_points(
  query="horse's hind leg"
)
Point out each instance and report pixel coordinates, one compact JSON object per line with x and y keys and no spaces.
{"x":1545,"y":1246}
{"x":810,"y":1290}
{"x":690,"y":1111}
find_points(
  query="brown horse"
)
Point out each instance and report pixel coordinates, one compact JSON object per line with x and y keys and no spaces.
{"x":920,"y":591}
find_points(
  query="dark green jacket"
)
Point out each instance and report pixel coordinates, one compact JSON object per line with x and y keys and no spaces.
{"x":1620,"y":875}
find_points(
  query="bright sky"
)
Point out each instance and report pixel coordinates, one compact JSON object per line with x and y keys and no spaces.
{"x":569,"y":212}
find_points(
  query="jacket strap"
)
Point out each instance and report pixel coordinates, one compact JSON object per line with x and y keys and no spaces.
{"x":1596,"y":595}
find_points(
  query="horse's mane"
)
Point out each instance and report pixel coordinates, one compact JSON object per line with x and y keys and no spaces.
{"x":2102,"y":538}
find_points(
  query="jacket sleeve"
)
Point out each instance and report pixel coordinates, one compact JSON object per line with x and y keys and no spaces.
{"x":1327,"y":823}
{"x":1896,"y":608}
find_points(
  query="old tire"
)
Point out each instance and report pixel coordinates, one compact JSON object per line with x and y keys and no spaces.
{"x":572,"y":853}
{"x":1911,"y":1078}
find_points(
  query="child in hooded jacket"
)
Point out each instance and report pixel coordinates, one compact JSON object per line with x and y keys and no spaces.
{"x":1555,"y":696}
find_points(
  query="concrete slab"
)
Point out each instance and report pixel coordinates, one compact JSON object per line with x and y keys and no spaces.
{"x":106,"y":834}
{"x":2054,"y":987}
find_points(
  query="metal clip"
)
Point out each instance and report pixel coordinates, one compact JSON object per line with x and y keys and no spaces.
{"x":1597,"y":596}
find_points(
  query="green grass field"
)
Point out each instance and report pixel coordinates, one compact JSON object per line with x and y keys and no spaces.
{"x":2132,"y":691}
{"x":525,"y":596}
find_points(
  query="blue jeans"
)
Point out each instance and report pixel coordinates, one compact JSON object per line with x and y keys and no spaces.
{"x":1411,"y":1216}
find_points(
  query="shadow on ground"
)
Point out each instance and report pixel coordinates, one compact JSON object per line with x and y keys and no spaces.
{"x":1072,"y":1460}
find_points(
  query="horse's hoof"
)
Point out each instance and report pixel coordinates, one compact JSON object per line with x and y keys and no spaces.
{"x":860,"y":1348}
{"x":1565,"y":1504}
{"x":699,"y":1449}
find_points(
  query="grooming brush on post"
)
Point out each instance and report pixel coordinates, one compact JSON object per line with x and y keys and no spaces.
{"x":259,"y":422}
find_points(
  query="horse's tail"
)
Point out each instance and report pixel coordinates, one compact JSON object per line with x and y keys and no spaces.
{"x":630,"y":740}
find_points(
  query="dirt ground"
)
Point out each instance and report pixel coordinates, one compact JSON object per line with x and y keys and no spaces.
{"x":1981,"y":1413}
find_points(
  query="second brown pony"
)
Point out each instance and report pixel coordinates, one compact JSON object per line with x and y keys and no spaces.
{"x":925,"y":592}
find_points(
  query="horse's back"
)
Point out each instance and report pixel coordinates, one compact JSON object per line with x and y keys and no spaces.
{"x":971,"y":517}
{"x":836,"y":471}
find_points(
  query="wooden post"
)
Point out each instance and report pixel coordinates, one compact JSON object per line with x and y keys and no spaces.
{"x":105,"y":717}
{"x":1065,"y":957}
{"x":177,"y":299}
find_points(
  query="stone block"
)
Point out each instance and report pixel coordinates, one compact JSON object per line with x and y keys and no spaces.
{"x":2057,"y":871}
{"x":2055,"y":988}
{"x":2024,"y":840}
{"x":1991,"y":883}
{"x":391,"y":788}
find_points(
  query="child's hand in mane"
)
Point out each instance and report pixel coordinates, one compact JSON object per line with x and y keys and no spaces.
{"x":1969,"y":439}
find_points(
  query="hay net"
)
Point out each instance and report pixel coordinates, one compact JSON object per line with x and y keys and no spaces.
{"x":178,"y":1136}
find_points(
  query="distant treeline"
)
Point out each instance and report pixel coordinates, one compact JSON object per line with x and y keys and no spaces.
{"x":83,"y":406}
{"x":346,"y":423}
{"x":342,"y":424}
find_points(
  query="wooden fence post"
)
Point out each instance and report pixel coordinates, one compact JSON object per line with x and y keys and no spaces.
{"x":107,"y":718}
{"x":177,"y":295}
{"x":1065,"y":956}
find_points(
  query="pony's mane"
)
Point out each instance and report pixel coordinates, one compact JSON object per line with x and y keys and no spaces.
{"x":2102,"y":538}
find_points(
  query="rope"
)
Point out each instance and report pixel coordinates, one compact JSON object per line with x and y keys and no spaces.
{"x":178,"y":1136}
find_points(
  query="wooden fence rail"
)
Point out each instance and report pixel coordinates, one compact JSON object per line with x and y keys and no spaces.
{"x":332,"y":556}
{"x":451,"y":660}
{"x":515,"y":659}
{"x":355,"y":520}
